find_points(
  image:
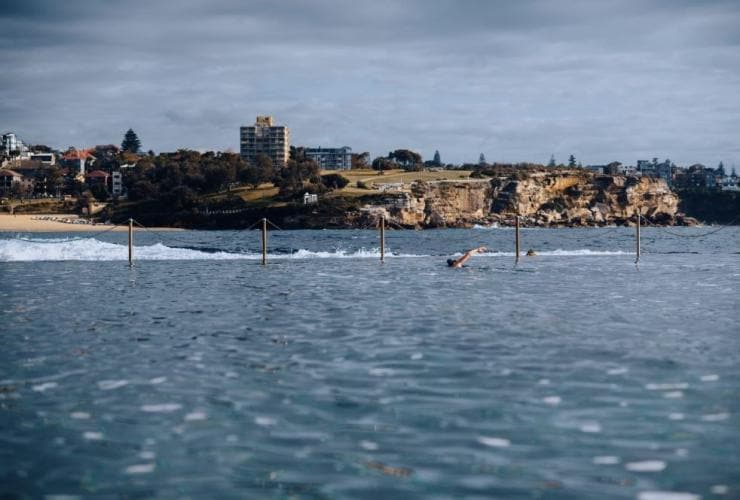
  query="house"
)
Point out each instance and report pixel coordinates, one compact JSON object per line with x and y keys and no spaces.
{"x":78,"y":160}
{"x":7,"y":179}
{"x":97,"y":177}
{"x":11,"y":182}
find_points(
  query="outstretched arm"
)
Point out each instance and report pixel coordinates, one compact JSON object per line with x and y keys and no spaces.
{"x":459,"y":262}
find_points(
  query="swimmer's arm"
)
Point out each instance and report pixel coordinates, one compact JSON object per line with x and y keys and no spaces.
{"x":459,"y":262}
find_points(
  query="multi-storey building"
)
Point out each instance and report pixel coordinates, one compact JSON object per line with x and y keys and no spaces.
{"x":13,"y":146}
{"x":265,"y":138}
{"x":331,"y":158}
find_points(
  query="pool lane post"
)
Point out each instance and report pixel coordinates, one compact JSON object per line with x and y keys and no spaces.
{"x":131,"y":242}
{"x":382,"y":238}
{"x":264,"y":241}
{"x":517,"y":238}
{"x":637,"y":238}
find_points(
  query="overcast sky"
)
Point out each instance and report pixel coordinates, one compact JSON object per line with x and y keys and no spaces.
{"x":516,"y":80}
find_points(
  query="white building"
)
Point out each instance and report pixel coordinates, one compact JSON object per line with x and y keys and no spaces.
{"x":116,"y":183}
{"x":265,"y":138}
{"x":330,"y":158}
{"x":13,"y":146}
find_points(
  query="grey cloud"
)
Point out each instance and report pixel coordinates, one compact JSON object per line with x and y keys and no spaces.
{"x":516,"y":80}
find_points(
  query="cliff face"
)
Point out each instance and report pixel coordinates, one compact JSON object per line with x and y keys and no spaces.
{"x":542,"y":198}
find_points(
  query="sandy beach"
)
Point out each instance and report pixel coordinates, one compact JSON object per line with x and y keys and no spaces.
{"x":55,"y":223}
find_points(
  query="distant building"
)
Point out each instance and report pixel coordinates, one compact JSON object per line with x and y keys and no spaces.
{"x":645,"y":167}
{"x":97,"y":177}
{"x":77,"y":160}
{"x":44,"y":158}
{"x":116,"y":183}
{"x":599,"y":169}
{"x":13,"y":146}
{"x":330,"y":158}
{"x":9,"y":179}
{"x":265,"y":138}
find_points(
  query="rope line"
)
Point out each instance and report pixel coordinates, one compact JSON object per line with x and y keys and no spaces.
{"x":160,"y":234}
{"x":694,"y":235}
{"x":273,"y":224}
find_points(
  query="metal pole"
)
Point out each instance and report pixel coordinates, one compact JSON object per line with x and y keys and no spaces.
{"x":637,"y":238}
{"x":517,"y":238}
{"x":382,"y":238}
{"x":131,"y":242}
{"x":264,"y":242}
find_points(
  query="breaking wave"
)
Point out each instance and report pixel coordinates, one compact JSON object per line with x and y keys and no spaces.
{"x":29,"y":250}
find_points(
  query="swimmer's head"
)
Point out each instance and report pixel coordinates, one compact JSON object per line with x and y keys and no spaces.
{"x":450,"y":262}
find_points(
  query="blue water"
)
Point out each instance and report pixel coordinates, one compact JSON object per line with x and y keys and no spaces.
{"x":199,"y":373}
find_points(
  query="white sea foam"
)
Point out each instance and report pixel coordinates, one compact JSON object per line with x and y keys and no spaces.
{"x":45,"y":249}
{"x":715,"y":417}
{"x":368,"y":445}
{"x":720,"y":489}
{"x":45,"y":386}
{"x":494,"y":442}
{"x":161,"y":408}
{"x":617,"y":371}
{"x":552,"y":400}
{"x":157,"y":380}
{"x":666,"y":387}
{"x":196,"y":415}
{"x":147,"y":455}
{"x":27,"y":250}
{"x":591,"y":427}
{"x":93,"y":436}
{"x":666,"y":495}
{"x":606,"y":460}
{"x":108,"y":385}
{"x":264,"y":421}
{"x":675,"y":416}
{"x":712,"y":377}
{"x":79,"y":415}
{"x":140,"y":469}
{"x":673,"y":395}
{"x":381,"y":372}
{"x":646,"y":466}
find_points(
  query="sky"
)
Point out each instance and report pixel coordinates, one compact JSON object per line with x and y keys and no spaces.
{"x":604,"y":80}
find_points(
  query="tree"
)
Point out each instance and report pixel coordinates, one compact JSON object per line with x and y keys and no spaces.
{"x":131,"y":142}
{"x":437,"y":159}
{"x":721,"y":170}
{"x":334,"y":181}
{"x":482,"y":160}
{"x":382,"y":163}
{"x":361,"y":160}
{"x":551,"y":163}
{"x":265,"y":166}
{"x":405,"y":157}
{"x":572,"y":161}
{"x":734,"y":174}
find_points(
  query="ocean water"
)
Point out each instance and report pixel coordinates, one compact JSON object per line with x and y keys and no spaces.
{"x":199,"y":373}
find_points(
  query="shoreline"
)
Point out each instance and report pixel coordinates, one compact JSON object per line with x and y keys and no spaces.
{"x":43,"y":223}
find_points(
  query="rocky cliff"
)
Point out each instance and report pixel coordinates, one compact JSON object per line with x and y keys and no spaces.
{"x":568,"y":198}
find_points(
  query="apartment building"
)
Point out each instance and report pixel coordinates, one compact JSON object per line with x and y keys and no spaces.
{"x":331,"y":158}
{"x":264,"y":137}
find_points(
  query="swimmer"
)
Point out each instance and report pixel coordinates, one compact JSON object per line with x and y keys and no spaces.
{"x":462,"y":260}
{"x":531,"y":253}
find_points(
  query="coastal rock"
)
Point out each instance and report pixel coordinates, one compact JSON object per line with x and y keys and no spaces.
{"x":559,"y":198}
